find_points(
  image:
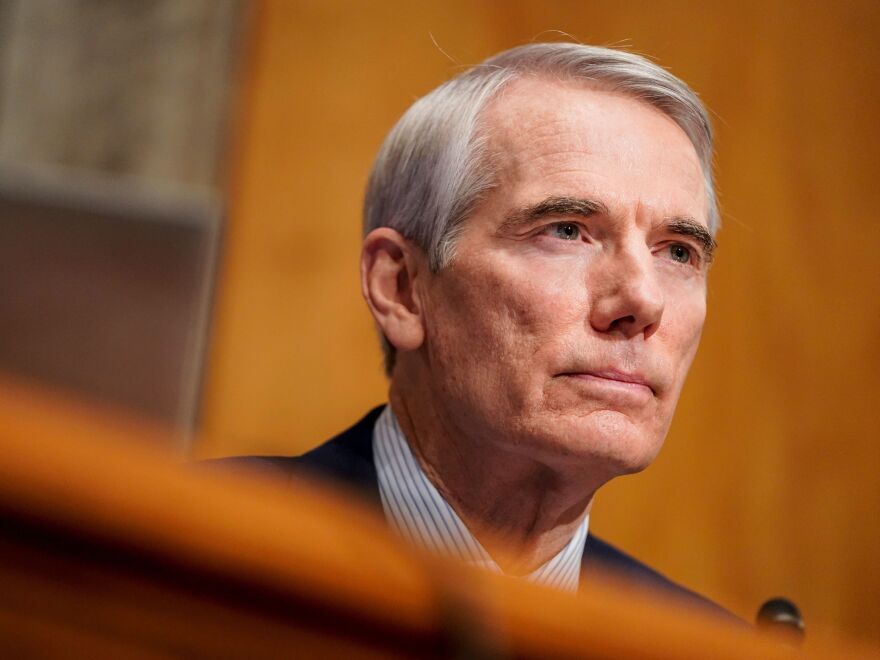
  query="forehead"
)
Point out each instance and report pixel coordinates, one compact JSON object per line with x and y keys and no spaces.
{"x":552,"y":137}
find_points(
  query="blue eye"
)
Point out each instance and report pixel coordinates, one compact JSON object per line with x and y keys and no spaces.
{"x":566,"y":231}
{"x":680,"y":253}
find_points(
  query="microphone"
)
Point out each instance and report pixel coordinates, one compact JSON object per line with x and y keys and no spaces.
{"x":781,"y":617}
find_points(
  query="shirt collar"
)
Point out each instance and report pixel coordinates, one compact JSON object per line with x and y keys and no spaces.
{"x":415,"y":507}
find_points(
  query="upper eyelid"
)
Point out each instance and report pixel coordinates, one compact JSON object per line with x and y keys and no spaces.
{"x":683,"y":240}
{"x":555,"y":223}
{"x":544,"y":227}
{"x":554,"y":206}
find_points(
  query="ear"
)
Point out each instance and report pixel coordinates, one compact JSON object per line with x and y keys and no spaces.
{"x":390,"y":267}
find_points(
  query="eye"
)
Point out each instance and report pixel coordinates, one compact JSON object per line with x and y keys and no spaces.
{"x":680,"y":253}
{"x":567,"y":231}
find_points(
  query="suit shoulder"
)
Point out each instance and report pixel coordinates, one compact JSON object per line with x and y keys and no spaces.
{"x":345,"y":459}
{"x":600,"y":556}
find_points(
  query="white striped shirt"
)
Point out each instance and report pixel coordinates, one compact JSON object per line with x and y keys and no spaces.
{"x":415,"y":507}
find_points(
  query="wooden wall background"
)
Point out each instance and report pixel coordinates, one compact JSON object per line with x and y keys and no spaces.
{"x":769,"y":481}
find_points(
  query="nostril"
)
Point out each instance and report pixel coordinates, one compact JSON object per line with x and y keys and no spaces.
{"x":623,"y":322}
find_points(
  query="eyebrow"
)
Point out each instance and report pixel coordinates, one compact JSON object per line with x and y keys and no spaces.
{"x":553,"y":206}
{"x":692,"y":228}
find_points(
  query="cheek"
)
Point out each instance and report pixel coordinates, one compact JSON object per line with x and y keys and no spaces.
{"x":544,"y":297}
{"x":684,"y":336}
{"x":493,"y":323}
{"x":694,"y":318}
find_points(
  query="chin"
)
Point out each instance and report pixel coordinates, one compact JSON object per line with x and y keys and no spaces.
{"x":603,"y":442}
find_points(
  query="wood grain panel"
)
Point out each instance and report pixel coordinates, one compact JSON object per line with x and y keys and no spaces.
{"x":768,"y":483}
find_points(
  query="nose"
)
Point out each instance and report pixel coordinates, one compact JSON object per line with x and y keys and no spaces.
{"x":626,"y":297}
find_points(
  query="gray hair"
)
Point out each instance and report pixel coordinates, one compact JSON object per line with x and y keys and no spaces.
{"x":434,"y":167}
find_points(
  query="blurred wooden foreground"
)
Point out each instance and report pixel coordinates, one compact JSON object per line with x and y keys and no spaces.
{"x":110,"y":548}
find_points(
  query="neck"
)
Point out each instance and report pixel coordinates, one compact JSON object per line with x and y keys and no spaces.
{"x":522,"y":510}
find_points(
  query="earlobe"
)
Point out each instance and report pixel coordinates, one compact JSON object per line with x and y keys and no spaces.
{"x":390,"y":266}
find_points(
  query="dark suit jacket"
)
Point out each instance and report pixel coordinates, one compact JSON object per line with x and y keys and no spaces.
{"x":348,"y":459}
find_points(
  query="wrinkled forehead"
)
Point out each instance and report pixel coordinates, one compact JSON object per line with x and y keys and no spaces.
{"x":536,"y":127}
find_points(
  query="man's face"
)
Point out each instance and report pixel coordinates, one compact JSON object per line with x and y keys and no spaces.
{"x":566,"y":323}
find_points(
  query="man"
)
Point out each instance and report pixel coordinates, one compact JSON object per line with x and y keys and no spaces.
{"x":538,"y":232}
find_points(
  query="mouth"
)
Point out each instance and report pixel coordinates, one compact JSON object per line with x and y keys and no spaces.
{"x":618,"y":380}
